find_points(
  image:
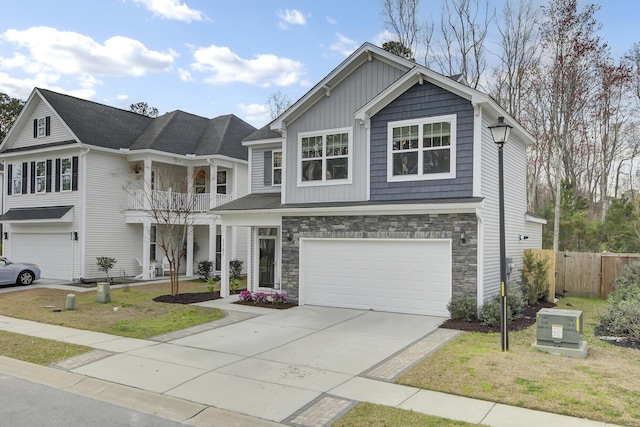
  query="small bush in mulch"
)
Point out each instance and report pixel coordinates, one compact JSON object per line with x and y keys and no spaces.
{"x":188,"y":298}
{"x":527,"y":319}
{"x":260,"y":299}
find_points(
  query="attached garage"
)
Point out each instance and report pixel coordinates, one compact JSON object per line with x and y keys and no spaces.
{"x":53,"y":253}
{"x":396,"y":275}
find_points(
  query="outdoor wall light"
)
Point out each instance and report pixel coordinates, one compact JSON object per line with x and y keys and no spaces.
{"x":463,"y":236}
{"x":523,"y":237}
{"x":5,"y":235}
{"x":289,"y":234}
{"x":74,"y":235}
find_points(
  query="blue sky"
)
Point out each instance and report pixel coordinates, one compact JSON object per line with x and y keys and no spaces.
{"x":202,"y":56}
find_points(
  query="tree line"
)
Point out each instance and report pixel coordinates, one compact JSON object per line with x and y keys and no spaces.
{"x":552,"y":71}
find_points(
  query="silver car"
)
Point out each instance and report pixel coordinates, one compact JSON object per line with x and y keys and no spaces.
{"x":18,"y":273}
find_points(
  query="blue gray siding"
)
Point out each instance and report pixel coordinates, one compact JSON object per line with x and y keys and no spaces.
{"x":332,"y":112}
{"x":426,"y":100}
{"x":258,"y":184}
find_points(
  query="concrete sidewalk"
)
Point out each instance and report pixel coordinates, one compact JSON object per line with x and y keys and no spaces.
{"x":305,"y":366}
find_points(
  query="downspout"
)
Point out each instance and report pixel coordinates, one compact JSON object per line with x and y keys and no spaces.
{"x":83,"y":211}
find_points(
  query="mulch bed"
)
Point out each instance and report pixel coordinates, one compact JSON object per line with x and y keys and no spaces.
{"x":267,"y":305}
{"x":527,"y":319}
{"x":188,"y":298}
{"x":605,"y":335}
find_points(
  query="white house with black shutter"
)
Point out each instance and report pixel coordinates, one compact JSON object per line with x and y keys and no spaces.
{"x":78,"y":177}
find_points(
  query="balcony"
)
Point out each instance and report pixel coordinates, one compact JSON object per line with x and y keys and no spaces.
{"x":172,"y":201}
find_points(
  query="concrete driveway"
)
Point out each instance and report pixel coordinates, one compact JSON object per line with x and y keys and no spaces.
{"x":270,"y":366}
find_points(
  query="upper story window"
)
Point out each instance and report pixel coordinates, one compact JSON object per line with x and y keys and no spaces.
{"x":422,"y":149}
{"x":277,"y":167}
{"x":41,"y":176}
{"x":221,"y":182}
{"x":42,"y":127}
{"x":16,"y":178}
{"x":200,"y":182}
{"x":66,"y":173}
{"x":325,"y":157}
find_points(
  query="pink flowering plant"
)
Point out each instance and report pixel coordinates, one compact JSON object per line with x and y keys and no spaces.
{"x":245,"y":296}
{"x":260,"y":298}
{"x":279,"y":298}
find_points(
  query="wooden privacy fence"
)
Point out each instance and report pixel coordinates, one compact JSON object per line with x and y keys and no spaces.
{"x":582,"y":274}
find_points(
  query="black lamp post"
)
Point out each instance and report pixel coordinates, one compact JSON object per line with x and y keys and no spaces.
{"x":500,"y":133}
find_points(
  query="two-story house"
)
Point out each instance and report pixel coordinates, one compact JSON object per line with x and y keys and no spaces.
{"x":378,"y":189}
{"x":82,"y":181}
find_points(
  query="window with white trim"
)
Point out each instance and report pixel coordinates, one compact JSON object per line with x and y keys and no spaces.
{"x":41,"y":176}
{"x":66,"y":173}
{"x":276,"y":160}
{"x":16,"y":178}
{"x":42,"y":127}
{"x":153,"y":244}
{"x":422,"y":149}
{"x":221,"y":182}
{"x":325,"y":156}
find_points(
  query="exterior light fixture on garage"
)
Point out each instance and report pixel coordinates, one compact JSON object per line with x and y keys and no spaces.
{"x":463,"y":236}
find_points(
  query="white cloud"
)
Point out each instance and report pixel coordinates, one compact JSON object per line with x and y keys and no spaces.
{"x":263,"y":70}
{"x":50,"y":53}
{"x":290,"y":17}
{"x":383,"y":37}
{"x":185,"y":75}
{"x":331,"y":20}
{"x":344,"y":45}
{"x":256,"y":114}
{"x":122,"y":97}
{"x":172,"y":9}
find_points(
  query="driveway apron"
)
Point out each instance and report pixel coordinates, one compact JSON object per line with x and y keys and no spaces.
{"x":270,"y":366}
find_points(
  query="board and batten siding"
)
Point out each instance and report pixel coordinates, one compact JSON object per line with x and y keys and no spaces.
{"x":58,"y":133}
{"x":106,"y":232}
{"x":422,"y":101}
{"x":515,"y":190}
{"x":336,"y":111}
{"x":257,"y":170}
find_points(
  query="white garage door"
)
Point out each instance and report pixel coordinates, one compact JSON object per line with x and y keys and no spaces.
{"x":53,"y":253}
{"x":403,"y":276}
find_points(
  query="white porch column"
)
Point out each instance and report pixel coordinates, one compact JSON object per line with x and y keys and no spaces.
{"x":146,"y":249}
{"x":146,"y":186}
{"x":224,"y":269}
{"x":189,"y":269}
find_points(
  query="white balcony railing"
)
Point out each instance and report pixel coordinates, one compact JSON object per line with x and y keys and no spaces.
{"x":169,"y":200}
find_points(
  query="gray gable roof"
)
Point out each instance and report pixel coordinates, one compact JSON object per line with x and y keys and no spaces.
{"x":176,"y":132}
{"x":264,"y":132}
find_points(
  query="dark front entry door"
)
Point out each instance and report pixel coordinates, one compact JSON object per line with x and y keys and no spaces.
{"x":266,"y":276}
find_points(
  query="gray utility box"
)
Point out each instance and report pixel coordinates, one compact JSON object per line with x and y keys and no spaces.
{"x":103,"y":294}
{"x":560,"y":332}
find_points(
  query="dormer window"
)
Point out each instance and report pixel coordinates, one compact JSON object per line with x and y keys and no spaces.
{"x":42,"y":127}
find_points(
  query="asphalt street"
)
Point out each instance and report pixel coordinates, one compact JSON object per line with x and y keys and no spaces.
{"x":27,"y":404}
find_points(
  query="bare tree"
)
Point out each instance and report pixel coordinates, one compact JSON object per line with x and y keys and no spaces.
{"x":144,"y":109}
{"x":464,"y":28}
{"x":569,"y":37}
{"x":278,"y":104}
{"x":167,"y":196}
{"x":401,"y":17}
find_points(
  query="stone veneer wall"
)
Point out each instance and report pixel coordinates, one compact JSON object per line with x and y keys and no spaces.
{"x":427,"y":226}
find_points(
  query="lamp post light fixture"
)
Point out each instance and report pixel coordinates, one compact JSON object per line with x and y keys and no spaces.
{"x":500,"y":132}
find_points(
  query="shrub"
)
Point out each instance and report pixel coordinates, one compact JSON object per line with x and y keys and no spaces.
{"x":489,"y":313}
{"x":463,"y":308}
{"x":535,"y":278}
{"x":515,"y":302}
{"x":622,"y":316}
{"x":212,"y":282}
{"x":105,"y":264}
{"x":205,"y":270}
{"x":235,"y":268}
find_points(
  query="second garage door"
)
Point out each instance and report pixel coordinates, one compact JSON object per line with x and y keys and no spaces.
{"x":53,"y":253}
{"x":396,"y":275}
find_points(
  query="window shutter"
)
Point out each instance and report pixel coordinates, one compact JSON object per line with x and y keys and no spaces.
{"x":10,"y":178}
{"x":24,"y":177}
{"x":48,"y":178}
{"x":47,"y":131}
{"x":74,"y":171}
{"x":58,"y":166}
{"x":268,"y":155}
{"x":35,"y":128}
{"x":33,"y":177}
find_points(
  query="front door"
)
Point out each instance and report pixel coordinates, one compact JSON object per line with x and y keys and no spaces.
{"x":267,"y":257}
